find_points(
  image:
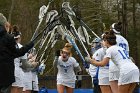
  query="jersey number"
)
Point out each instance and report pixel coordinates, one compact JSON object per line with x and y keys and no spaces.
{"x":124,"y":54}
{"x":123,"y":45}
{"x":65,"y":70}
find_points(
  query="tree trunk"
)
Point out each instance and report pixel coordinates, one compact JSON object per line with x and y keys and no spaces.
{"x":135,"y":31}
{"x":11,"y":10}
{"x":124,"y":17}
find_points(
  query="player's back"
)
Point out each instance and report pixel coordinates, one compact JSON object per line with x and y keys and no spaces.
{"x":122,"y":42}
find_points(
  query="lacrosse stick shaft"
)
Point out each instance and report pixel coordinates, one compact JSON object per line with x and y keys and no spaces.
{"x":37,"y":28}
{"x":85,"y":25}
{"x":48,"y":43}
{"x":77,"y":50}
{"x":64,"y":33}
{"x":70,"y":12}
{"x":77,"y":36}
{"x":50,"y":50}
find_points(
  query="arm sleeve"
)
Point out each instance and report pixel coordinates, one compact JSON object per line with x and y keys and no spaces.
{"x":75,"y":63}
{"x":16,"y":52}
{"x":108,"y":53}
{"x":78,"y":69}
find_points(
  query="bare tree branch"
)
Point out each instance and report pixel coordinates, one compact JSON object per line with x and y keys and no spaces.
{"x":11,"y":10}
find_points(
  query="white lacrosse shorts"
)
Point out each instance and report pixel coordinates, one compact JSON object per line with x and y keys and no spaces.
{"x":27,"y":81}
{"x":66,"y":83}
{"x":104,"y":81}
{"x":114,"y":75}
{"x":19,"y":74}
{"x":130,"y":77}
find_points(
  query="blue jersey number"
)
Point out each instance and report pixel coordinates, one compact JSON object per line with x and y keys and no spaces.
{"x":123,"y":45}
{"x":124,"y":54}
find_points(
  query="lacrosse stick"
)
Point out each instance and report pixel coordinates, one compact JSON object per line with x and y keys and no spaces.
{"x":43,"y":65}
{"x":40,"y":69}
{"x":52,"y":25}
{"x":51,"y":15}
{"x":69,"y":10}
{"x":54,"y":18}
{"x":47,"y":45}
{"x":49,"y":27}
{"x":50,"y":46}
{"x":42,"y":13}
{"x":62,"y":31}
{"x":52,"y":32}
{"x":82,"y":32}
{"x":50,"y":18}
{"x":77,"y":36}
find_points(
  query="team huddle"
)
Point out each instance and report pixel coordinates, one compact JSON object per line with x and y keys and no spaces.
{"x":117,"y":73}
{"x":110,"y":65}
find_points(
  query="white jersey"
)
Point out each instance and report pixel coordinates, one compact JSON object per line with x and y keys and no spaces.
{"x":35,"y":81}
{"x":103,"y":71}
{"x":122,"y":42}
{"x":120,"y":58}
{"x":17,"y":60}
{"x":19,"y":74}
{"x":27,"y":81}
{"x":92,"y":70}
{"x":66,"y":69}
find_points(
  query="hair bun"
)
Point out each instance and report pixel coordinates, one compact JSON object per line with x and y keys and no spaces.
{"x":119,"y":23}
{"x":118,"y":27}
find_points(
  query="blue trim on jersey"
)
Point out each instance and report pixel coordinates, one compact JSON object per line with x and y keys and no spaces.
{"x":95,"y":78}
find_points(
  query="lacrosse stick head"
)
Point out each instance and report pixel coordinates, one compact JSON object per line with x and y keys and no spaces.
{"x":81,"y":33}
{"x":67,"y":8}
{"x":42,"y":11}
{"x":51,"y":16}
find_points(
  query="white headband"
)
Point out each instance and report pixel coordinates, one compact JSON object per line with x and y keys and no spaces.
{"x":16,"y":37}
{"x":113,"y":28}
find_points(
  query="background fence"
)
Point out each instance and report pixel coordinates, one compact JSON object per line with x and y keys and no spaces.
{"x":50,"y":82}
